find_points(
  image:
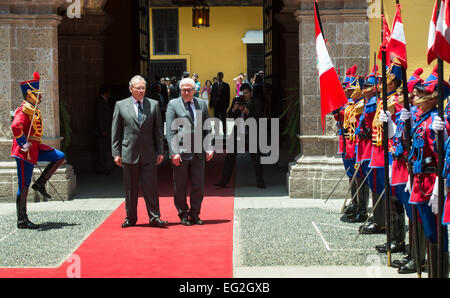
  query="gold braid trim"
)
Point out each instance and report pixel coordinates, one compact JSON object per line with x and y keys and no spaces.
{"x":350,"y":121}
{"x":377,"y":127}
{"x":28,"y":109}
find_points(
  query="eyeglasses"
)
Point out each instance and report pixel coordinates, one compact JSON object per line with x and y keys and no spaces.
{"x":187,"y":90}
{"x":139,"y":89}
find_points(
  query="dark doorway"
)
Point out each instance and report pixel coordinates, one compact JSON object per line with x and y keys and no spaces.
{"x":167,"y":68}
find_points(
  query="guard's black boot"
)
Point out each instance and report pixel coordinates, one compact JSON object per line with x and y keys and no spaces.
{"x":433,"y":260}
{"x":51,"y":168}
{"x":402,"y":262}
{"x":21,"y":207}
{"x":410,"y":267}
{"x":396,"y":246}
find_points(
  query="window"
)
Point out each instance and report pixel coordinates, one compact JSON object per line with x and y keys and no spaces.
{"x":165,"y":31}
{"x":255,"y":58}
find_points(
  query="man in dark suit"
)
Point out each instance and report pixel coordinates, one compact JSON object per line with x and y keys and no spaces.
{"x":220,"y":100}
{"x":103,"y":119}
{"x":185,"y":132}
{"x":137,"y":147}
{"x":243,"y":107}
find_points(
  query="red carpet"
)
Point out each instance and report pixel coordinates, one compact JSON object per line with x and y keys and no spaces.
{"x":142,"y":251}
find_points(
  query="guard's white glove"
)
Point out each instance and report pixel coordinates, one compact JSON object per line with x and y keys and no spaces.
{"x":408,"y":186}
{"x":405,"y":115}
{"x":386,"y":117}
{"x":437,"y":124}
{"x":434,"y":199}
{"x":25,"y":147}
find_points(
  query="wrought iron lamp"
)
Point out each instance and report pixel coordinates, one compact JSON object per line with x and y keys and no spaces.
{"x":200,"y":14}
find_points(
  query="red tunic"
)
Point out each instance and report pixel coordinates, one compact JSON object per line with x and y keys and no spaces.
{"x":365,"y":144}
{"x":424,"y":182}
{"x":350,"y":144}
{"x":20,"y":128}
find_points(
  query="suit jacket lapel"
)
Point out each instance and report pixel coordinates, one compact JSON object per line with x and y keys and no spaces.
{"x":131,"y":110}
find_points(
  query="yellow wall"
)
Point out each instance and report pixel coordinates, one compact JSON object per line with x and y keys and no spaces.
{"x":416,"y":17}
{"x":218,"y":47}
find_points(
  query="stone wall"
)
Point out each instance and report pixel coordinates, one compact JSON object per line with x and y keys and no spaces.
{"x":345,"y":25}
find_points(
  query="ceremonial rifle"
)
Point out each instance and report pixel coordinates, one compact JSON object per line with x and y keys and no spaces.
{"x":373,"y":210}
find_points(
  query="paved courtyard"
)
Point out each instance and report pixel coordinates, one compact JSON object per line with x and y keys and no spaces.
{"x":274,"y":236}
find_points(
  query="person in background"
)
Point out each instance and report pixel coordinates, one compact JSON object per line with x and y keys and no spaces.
{"x":239,"y":80}
{"x":172,"y":89}
{"x":103,"y":119}
{"x":197,"y":85}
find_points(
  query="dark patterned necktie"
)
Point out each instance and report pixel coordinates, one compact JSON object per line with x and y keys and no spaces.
{"x":140,"y":110}
{"x":191,"y":111}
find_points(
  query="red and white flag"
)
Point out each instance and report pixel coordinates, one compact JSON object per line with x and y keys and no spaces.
{"x":385,"y":41}
{"x":397,"y":42}
{"x":332,"y":95}
{"x":442,"y":43}
{"x":431,"y":55}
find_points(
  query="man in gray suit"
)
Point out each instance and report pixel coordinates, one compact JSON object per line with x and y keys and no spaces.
{"x":185,"y":132}
{"x":137,"y":147}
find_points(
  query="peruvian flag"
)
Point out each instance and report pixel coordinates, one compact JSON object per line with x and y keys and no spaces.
{"x":397,"y":42}
{"x":442,"y":44}
{"x":385,"y":41}
{"x":431,"y":55}
{"x":332,"y":95}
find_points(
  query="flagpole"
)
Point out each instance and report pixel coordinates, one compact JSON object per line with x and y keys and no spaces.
{"x":318,"y":18}
{"x":441,"y":228}
{"x":386,"y":153}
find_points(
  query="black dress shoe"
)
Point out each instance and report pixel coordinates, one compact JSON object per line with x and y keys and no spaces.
{"x":27,"y":224}
{"x":373,"y":228}
{"x":395,"y":247}
{"x":350,"y":209}
{"x":357,"y":217}
{"x":195,"y":220}
{"x":261,"y":184}
{"x":409,"y":268}
{"x":128,"y":223}
{"x":185,"y":221}
{"x":41,"y":189}
{"x":221,"y":184}
{"x":157,"y":222}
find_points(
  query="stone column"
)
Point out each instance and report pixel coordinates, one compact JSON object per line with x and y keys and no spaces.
{"x":29,"y":43}
{"x":345,"y":24}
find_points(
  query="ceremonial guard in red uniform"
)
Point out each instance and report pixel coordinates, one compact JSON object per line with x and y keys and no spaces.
{"x":347,"y":120}
{"x":364,"y":156}
{"x":27,"y":149}
{"x":425,"y":159}
{"x":399,"y":179}
{"x":357,"y":211}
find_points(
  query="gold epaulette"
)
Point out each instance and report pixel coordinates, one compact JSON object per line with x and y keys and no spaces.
{"x":359,"y":107}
